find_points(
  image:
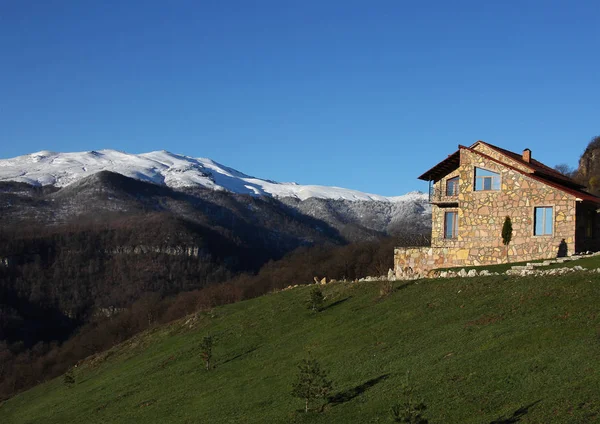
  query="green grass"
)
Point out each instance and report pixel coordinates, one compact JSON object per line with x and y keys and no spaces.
{"x":478,"y":350}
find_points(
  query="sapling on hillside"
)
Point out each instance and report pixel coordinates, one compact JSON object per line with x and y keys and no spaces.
{"x":312,"y":382}
{"x":69,"y":378}
{"x":316,"y":300}
{"x":408,"y":410}
{"x":206,"y":348}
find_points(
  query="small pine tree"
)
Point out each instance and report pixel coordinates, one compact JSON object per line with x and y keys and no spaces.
{"x":386,"y":288}
{"x":312,"y":382}
{"x":206,"y":348}
{"x":316,"y":300}
{"x":507,"y":234}
{"x":69,"y":378}
{"x":408,"y":410}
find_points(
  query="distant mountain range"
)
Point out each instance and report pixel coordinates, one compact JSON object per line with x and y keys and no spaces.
{"x":51,"y":188}
{"x":165,"y":168}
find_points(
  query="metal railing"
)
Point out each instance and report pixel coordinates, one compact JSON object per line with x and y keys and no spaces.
{"x":441,"y":195}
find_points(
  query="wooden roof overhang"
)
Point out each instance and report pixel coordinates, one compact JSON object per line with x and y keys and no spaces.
{"x":443,"y":168}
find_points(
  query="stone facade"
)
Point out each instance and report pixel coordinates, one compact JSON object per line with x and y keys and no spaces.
{"x":481,"y":215}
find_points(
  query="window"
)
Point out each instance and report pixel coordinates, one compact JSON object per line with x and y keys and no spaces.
{"x":486,"y":180}
{"x":450,"y":225}
{"x":542,"y":221}
{"x":452,"y":187}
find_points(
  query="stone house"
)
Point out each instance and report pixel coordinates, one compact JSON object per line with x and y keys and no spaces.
{"x":474,"y":189}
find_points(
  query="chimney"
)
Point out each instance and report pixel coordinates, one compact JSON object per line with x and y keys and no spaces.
{"x":527,"y":155}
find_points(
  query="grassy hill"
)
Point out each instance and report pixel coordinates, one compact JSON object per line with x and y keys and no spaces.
{"x":480,"y":350}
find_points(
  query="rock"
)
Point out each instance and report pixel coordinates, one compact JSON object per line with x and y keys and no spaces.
{"x":316,"y":280}
{"x":324,"y":280}
{"x":433,"y":274}
{"x":462,"y":273}
{"x":444,"y":274}
{"x":472,"y":273}
{"x":578,"y":268}
{"x":391,"y":276}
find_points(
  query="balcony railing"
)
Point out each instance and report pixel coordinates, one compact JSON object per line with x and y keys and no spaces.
{"x":441,"y":195}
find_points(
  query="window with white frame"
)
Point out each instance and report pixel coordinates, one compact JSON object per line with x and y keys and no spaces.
{"x":543,"y":222}
{"x":486,"y":180}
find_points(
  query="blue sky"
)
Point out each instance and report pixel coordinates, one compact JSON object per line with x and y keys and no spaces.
{"x":358,"y":94}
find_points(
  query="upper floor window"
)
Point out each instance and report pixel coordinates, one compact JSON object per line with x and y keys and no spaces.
{"x":452,"y":187}
{"x":542,"y":221}
{"x":486,"y":180}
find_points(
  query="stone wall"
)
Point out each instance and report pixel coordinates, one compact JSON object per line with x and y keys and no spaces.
{"x":481,"y":216}
{"x":411,"y":261}
{"x":486,"y":150}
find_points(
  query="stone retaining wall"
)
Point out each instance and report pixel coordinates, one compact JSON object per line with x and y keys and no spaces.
{"x":410,"y":261}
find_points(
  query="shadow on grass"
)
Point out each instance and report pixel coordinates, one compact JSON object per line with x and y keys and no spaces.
{"x":405,"y":285}
{"x":350,"y":394}
{"x":334,"y":304}
{"x":517,"y":415}
{"x":238,"y":356}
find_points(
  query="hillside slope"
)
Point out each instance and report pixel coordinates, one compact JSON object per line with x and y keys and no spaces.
{"x":480,"y":350}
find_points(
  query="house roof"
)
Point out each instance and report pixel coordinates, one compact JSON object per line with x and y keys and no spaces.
{"x":539,"y":171}
{"x":443,"y":168}
{"x":537,"y":167}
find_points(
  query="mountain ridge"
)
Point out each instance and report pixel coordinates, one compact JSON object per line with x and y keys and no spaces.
{"x":165,"y":168}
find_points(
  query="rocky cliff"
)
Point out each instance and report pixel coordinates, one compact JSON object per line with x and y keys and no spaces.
{"x":588,"y":171}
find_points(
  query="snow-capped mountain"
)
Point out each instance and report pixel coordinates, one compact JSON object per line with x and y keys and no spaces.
{"x":165,"y":168}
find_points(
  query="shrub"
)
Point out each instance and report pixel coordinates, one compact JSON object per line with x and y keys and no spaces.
{"x":507,"y":234}
{"x":316,"y":300}
{"x":69,"y":378}
{"x":408,"y":410}
{"x":312,"y":382}
{"x":206,"y":350}
{"x":386,"y":288}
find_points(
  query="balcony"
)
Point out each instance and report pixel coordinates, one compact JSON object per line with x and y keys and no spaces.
{"x":442,"y":196}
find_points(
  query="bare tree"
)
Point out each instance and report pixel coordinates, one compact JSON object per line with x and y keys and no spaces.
{"x":565,"y":169}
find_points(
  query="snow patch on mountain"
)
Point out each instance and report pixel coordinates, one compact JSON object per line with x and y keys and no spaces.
{"x":173,"y":170}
